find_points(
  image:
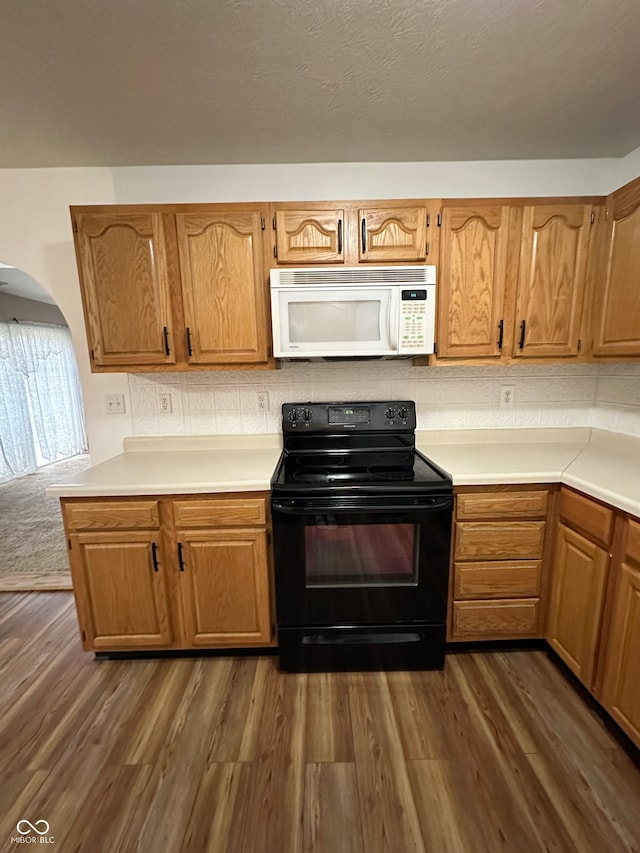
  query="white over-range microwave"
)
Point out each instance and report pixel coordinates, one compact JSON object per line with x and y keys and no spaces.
{"x":353,"y":311}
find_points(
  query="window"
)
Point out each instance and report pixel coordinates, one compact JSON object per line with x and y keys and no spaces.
{"x":41,"y":414}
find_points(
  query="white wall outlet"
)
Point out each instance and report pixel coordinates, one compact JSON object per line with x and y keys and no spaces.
{"x":507,"y":396}
{"x":262,"y":400}
{"x":165,"y":406}
{"x":114,"y":404}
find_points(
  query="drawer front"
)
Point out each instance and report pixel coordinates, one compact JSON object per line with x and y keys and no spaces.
{"x":498,"y":619}
{"x":476,"y":540}
{"x":502,"y":505}
{"x":236,"y":512}
{"x":632,"y":550}
{"x":497,"y":580}
{"x":112,"y":515}
{"x":587,"y":515}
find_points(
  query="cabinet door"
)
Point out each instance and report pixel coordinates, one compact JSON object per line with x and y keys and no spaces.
{"x":551,"y":283}
{"x":471,"y":285}
{"x":392,"y":234}
{"x":225,"y":587}
{"x":310,"y":236}
{"x":617,"y":306}
{"x":223,"y":286}
{"x":579,"y":579}
{"x":621,"y":691}
{"x":125,"y":287}
{"x":119,"y":580}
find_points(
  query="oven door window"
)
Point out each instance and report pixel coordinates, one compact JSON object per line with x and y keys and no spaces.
{"x":361,"y":554}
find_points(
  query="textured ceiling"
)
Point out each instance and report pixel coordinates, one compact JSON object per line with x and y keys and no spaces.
{"x":133,"y":82}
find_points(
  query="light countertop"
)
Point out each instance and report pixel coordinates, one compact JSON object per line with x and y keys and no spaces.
{"x":598,"y":463}
{"x":601,"y":464}
{"x":180,"y":466}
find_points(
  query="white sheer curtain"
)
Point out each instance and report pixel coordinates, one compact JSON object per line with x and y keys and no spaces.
{"x":41,"y":415}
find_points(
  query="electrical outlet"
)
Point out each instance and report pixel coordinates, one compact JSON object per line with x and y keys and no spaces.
{"x":114,"y":404}
{"x":507,"y":396}
{"x":262,"y":399}
{"x":165,"y":406}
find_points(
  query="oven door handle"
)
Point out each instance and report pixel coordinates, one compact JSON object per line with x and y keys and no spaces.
{"x":433,"y":506}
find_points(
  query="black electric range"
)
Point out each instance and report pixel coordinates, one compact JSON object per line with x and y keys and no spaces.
{"x":362,"y":524}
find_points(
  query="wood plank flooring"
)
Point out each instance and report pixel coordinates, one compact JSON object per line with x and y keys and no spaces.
{"x":187,"y":755}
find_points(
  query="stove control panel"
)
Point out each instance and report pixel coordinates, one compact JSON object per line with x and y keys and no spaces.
{"x":378,"y":416}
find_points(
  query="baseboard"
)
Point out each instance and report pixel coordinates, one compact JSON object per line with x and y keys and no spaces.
{"x":35,"y":582}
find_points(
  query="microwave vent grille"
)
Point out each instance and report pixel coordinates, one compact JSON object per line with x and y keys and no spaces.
{"x":346,"y":276}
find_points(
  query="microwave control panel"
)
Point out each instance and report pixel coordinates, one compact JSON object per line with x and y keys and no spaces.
{"x":417,"y":314}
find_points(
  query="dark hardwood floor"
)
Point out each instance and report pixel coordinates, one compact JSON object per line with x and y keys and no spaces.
{"x":496,"y":753}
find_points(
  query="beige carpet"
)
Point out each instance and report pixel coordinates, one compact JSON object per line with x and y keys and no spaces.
{"x":33,"y":553}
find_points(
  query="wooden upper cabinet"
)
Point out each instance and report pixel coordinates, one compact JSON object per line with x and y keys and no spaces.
{"x":471,"y":281}
{"x":394,"y":233}
{"x":309,"y":236}
{"x":223,"y":286}
{"x":551,"y":284}
{"x":617,"y":298}
{"x":125,"y":288}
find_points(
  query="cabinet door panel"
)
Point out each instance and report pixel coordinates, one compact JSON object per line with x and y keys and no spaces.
{"x":225,"y":587}
{"x":617,"y":330}
{"x":223,"y":286}
{"x":471,"y":281}
{"x":123,"y":270}
{"x":621,"y":692}
{"x":392,"y":234}
{"x":551,"y":283}
{"x":122,"y":601}
{"x":579,"y":579}
{"x":310,"y":236}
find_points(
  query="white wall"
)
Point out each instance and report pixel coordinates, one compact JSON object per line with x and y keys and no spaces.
{"x":628,"y":168}
{"x":309,"y":181}
{"x":16,"y":308}
{"x":35,"y":232}
{"x":35,"y":236}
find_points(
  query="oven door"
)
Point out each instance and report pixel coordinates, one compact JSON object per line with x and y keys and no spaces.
{"x":376,"y":562}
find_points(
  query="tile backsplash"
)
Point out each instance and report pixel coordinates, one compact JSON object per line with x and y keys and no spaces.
{"x":227,"y":402}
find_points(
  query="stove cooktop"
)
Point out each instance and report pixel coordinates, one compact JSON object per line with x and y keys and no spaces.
{"x":347,"y":448}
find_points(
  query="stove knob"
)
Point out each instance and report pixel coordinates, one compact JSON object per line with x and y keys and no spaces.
{"x":307,"y":414}
{"x":293,"y":415}
{"x":403,"y":413}
{"x":390,"y":414}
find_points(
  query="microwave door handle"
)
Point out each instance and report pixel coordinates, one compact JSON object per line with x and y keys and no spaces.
{"x":393,"y":320}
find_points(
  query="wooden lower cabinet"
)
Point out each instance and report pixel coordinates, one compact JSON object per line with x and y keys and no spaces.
{"x":498,"y":563}
{"x":170,"y":587}
{"x":594,"y":616}
{"x":580,"y":571}
{"x":121,"y":597}
{"x":621,"y":664}
{"x":225,"y":587}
